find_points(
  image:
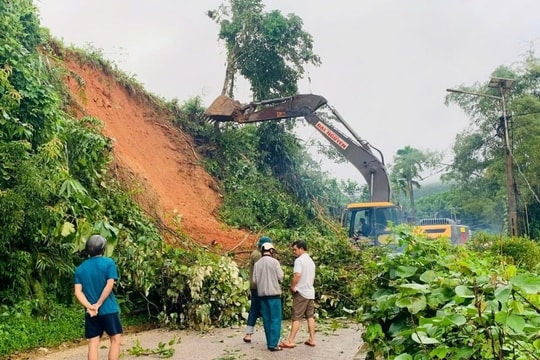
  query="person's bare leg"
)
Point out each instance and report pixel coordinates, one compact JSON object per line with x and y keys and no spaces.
{"x":114,"y":350}
{"x":311,"y":329}
{"x":294,"y":330}
{"x":93,"y":348}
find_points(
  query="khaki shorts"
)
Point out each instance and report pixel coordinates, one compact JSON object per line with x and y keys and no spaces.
{"x":302,"y":307}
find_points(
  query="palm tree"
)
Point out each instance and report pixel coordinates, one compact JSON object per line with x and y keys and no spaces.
{"x":407,"y":171}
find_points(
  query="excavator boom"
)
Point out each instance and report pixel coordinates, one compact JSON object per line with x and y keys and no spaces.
{"x":227,"y":109}
{"x":356,"y":150}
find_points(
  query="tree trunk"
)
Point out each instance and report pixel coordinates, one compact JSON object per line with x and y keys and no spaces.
{"x":228,"y":84}
{"x":411,"y":199}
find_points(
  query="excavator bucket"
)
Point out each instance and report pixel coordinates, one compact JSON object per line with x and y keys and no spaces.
{"x":224,"y":109}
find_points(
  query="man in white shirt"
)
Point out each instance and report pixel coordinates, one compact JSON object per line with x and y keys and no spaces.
{"x":303,"y":294}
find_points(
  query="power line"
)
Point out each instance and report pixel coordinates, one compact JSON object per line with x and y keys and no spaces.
{"x":523,"y":114}
{"x":526,"y":181}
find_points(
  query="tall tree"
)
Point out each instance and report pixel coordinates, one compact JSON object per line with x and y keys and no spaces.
{"x":270,"y":51}
{"x":267,"y":48}
{"x":408,"y":169}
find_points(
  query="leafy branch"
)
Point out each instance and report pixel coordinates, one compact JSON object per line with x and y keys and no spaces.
{"x":163,"y":350}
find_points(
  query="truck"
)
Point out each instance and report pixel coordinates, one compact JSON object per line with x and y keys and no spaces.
{"x":365,"y":222}
{"x":457,"y":233}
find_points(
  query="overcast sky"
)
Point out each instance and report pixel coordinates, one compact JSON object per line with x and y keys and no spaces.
{"x":386,"y":64}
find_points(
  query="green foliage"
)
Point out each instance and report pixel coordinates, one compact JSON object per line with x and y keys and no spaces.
{"x":519,"y":251}
{"x":438,"y":301}
{"x":268,"y":49}
{"x":94,"y":58}
{"x":30,"y":174}
{"x":33,"y":324}
{"x":533,"y":228}
{"x":268,"y":178}
{"x":462,"y":205}
{"x":343,"y":272}
{"x":255,"y":198}
{"x":201,"y":290}
{"x":38,"y":323}
{"x":26,"y":205}
{"x":274,"y":208}
{"x":163,"y":350}
{"x":408,"y":169}
{"x":27,"y":101}
{"x":56,"y":189}
{"x":189,"y":117}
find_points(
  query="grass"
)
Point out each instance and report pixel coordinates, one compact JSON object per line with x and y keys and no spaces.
{"x":29,"y":326}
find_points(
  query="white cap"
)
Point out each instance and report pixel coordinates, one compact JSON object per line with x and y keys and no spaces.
{"x":267,"y":246}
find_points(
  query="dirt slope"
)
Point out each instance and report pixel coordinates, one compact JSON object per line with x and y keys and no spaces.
{"x":155,"y":159}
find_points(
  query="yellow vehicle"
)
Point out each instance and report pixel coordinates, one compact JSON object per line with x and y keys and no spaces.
{"x":368,"y":222}
{"x":376,"y":214}
{"x":444,"y":227}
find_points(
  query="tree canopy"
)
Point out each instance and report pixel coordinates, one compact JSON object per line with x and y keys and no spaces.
{"x":269,"y":49}
{"x":408,"y":169}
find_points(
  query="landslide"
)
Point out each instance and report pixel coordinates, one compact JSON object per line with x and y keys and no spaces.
{"x":154,"y":159}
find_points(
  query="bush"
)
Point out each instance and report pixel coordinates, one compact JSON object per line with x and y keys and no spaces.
{"x":519,"y":251}
{"x":435,"y":301}
{"x":32,"y":324}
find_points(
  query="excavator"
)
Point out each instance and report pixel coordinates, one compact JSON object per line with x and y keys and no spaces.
{"x":365,"y":222}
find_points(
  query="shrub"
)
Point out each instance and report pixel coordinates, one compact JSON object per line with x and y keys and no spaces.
{"x":519,"y":251}
{"x":32,"y":324}
{"x":435,"y":301}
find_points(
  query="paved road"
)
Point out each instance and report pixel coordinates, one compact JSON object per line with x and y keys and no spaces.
{"x":227,"y":344}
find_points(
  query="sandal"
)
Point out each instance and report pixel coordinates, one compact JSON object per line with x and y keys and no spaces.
{"x":247,"y":339}
{"x":277,"y":348}
{"x":286,"y":346}
{"x":309,"y":343}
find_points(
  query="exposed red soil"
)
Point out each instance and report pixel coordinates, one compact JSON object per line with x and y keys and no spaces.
{"x":155,"y":160}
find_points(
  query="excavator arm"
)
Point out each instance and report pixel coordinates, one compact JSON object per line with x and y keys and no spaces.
{"x":356,"y":150}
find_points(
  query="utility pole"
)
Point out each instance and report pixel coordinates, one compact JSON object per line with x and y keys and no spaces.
{"x":504,"y":86}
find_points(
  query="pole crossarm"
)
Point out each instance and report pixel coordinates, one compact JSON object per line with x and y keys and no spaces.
{"x":475,"y":93}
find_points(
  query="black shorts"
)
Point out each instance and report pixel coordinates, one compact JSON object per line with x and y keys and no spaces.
{"x":95,"y":326}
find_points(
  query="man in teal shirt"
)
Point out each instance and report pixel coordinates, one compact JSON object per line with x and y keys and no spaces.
{"x":94,"y":282}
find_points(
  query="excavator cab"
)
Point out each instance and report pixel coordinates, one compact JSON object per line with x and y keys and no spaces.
{"x":370,"y":223}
